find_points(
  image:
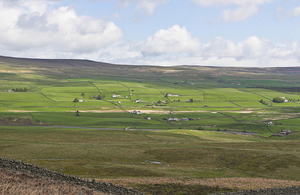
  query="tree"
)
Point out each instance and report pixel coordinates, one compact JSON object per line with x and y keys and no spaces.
{"x":82,"y":94}
{"x":278,"y":100}
{"x":77,"y":113}
{"x":76,"y":100}
{"x":100,"y":97}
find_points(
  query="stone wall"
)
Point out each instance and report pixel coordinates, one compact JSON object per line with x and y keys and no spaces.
{"x":108,"y":188}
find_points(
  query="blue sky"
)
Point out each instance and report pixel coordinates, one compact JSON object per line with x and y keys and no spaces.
{"x":260,"y":33}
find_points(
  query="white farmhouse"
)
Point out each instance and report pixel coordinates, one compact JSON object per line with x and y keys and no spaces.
{"x":284,"y":98}
{"x":173,"y":95}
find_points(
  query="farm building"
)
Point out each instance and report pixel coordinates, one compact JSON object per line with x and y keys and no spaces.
{"x":286,"y":131}
{"x":185,"y":119}
{"x":136,"y":112}
{"x":137,"y":101}
{"x":80,"y":100}
{"x":173,"y":119}
{"x":114,"y":96}
{"x":284,"y":98}
{"x":270,"y":123}
{"x":172,"y":95}
{"x":148,"y":118}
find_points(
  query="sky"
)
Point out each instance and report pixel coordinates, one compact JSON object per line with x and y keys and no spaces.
{"x":247,"y":33}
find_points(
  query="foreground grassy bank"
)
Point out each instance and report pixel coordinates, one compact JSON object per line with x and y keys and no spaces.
{"x":167,"y":153}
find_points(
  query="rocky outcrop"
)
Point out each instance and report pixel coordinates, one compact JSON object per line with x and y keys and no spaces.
{"x":108,"y":188}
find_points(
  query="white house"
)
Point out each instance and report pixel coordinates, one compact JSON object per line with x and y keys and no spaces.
{"x":173,"y":95}
{"x":173,"y":119}
{"x":148,"y":118}
{"x":185,"y":119}
{"x":284,"y":98}
{"x":137,"y":101}
{"x":188,"y":100}
{"x":270,"y":123}
{"x":80,"y":100}
{"x":114,"y":96}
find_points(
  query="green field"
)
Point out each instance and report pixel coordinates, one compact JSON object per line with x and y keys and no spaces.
{"x":221,"y":129}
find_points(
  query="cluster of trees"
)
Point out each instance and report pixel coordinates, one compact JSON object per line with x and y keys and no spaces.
{"x":281,"y":100}
{"x":100,"y":97}
{"x":268,"y":103}
{"x":278,"y":100}
{"x":20,"y":89}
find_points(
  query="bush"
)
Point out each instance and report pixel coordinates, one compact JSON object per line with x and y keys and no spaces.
{"x":278,"y":100}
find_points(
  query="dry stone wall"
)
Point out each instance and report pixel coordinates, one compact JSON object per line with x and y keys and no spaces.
{"x":108,"y":188}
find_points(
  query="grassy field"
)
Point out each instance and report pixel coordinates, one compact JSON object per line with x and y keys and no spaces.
{"x":42,"y":126}
{"x":171,"y":153}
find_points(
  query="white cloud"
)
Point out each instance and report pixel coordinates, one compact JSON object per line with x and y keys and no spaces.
{"x":27,"y":26}
{"x":176,"y":46}
{"x":294,"y":12}
{"x":240,"y":13}
{"x":245,"y":8}
{"x":174,"y":40}
{"x":230,"y":2}
{"x":147,"y":5}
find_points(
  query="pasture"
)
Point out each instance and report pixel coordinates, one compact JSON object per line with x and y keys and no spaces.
{"x":140,"y":154}
{"x":194,"y":122}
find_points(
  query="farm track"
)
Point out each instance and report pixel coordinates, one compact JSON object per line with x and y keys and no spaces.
{"x":91,"y":128}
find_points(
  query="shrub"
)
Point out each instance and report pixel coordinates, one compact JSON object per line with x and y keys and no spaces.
{"x":278,"y":100}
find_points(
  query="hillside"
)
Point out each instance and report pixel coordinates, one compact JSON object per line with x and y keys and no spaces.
{"x":70,"y":68}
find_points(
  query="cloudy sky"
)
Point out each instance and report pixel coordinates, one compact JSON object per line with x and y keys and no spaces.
{"x":259,"y":33}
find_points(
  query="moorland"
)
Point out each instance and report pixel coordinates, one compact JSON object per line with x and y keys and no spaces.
{"x":192,"y":124}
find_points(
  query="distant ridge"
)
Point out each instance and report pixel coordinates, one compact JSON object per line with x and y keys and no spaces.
{"x":81,"y":68}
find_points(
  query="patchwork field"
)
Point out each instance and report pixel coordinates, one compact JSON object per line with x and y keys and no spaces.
{"x":193,"y":123}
